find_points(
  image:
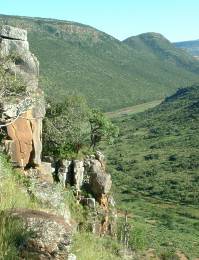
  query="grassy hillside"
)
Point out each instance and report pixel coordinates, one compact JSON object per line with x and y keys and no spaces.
{"x":191,"y":47}
{"x":157,"y":45}
{"x":157,"y":152}
{"x":155,"y":169}
{"x":110,"y":73}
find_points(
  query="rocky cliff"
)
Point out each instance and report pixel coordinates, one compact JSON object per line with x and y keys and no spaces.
{"x":21,"y":120}
{"x":23,"y":142}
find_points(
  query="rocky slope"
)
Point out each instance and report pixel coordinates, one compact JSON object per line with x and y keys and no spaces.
{"x":49,"y":229}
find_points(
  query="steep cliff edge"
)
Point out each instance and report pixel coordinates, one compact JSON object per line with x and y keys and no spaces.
{"x":23,"y":142}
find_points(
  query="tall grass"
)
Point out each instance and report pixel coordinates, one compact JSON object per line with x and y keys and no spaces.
{"x":12,"y":195}
{"x":87,"y":246}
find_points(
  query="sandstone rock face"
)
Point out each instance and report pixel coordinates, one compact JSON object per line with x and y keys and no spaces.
{"x":26,"y":130}
{"x":49,"y":235}
{"x":22,"y":141}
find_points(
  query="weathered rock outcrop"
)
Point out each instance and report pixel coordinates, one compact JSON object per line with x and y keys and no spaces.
{"x":49,"y":236}
{"x":90,"y":175}
{"x":90,"y":172}
{"x":24,"y":143}
{"x":50,"y":195}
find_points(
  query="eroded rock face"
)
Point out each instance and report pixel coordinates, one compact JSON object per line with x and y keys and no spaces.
{"x":90,"y":171}
{"x":13,"y":43}
{"x":90,"y":175}
{"x":65,"y":171}
{"x":100,"y":181}
{"x":21,"y":145}
{"x":24,"y":144}
{"x":78,"y":173}
{"x":49,"y":235}
{"x":48,"y":193}
{"x":13,"y":33}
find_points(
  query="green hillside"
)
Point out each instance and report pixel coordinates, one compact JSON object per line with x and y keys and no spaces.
{"x":191,"y":47}
{"x":157,"y":45}
{"x":155,"y":170}
{"x":158,"y":150}
{"x":110,"y":73}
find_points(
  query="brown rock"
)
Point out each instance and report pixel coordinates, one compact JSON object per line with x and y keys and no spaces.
{"x":36,"y":139}
{"x":20,"y":133}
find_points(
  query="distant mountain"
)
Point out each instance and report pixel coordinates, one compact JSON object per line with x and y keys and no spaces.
{"x":191,"y":47}
{"x":110,"y":73}
{"x":159,"y":46}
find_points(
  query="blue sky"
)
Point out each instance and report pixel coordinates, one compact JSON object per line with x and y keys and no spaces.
{"x":176,"y":19}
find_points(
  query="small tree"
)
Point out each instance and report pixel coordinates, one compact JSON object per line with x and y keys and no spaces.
{"x":101,"y":128}
{"x":66,"y":126}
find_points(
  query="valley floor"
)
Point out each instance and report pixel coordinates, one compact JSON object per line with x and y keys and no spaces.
{"x":134,"y":109}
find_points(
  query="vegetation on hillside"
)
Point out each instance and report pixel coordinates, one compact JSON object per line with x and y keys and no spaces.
{"x":12,"y":195}
{"x":71,"y":128}
{"x":155,"y":169}
{"x":111,"y":74}
{"x":12,"y":234}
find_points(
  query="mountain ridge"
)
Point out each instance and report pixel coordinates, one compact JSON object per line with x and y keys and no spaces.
{"x":111,"y":74}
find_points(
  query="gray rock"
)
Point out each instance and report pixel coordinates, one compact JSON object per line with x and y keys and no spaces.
{"x":100,"y":184}
{"x":78,"y":173}
{"x":72,"y":257}
{"x":24,"y":63}
{"x":46,"y":170}
{"x":99,"y":156}
{"x":65,"y":174}
{"x":13,"y":33}
{"x":90,"y":202}
{"x":49,"y":236}
{"x":49,"y":194}
{"x":9,"y":110}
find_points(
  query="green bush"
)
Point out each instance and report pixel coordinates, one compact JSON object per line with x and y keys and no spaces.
{"x":138,"y":240}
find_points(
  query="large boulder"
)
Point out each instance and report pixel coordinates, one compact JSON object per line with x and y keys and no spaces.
{"x":100,"y":182}
{"x":48,"y":235}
